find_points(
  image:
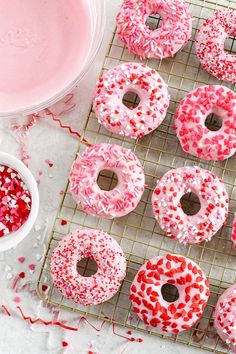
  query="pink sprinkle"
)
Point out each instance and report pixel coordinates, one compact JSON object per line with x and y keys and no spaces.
{"x":21,"y":259}
{"x":32,"y":266}
{"x":49,"y":163}
{"x":17,"y":299}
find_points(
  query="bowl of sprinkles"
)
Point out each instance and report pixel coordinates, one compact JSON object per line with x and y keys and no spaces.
{"x":19,"y":201}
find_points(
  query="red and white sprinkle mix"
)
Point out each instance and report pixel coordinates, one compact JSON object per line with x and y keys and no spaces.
{"x":107,"y":204}
{"x":153,"y":309}
{"x":173,"y":34}
{"x":210,"y":42}
{"x":147,"y":84}
{"x":194,"y":136}
{"x":168,"y":210}
{"x":233,"y":236}
{"x":15,"y":201}
{"x":225,"y":317}
{"x":100,"y":247}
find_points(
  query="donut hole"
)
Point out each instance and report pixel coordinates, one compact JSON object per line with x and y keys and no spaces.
{"x":131,"y":100}
{"x":213,"y":122}
{"x":169,"y":292}
{"x":190,"y":203}
{"x":153,"y":21}
{"x":230,"y":44}
{"x":87,"y":267}
{"x":107,"y":180}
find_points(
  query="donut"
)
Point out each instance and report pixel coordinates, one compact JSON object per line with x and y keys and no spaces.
{"x":210,"y":42}
{"x":98,"y":246}
{"x":107,"y":204}
{"x":154,"y":309}
{"x":225,"y":317}
{"x":195,"y":138}
{"x":119,"y":119}
{"x":168,"y":211}
{"x":233,"y":236}
{"x":173,"y":34}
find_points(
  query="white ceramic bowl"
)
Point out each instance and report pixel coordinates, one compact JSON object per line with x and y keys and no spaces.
{"x":12,"y":240}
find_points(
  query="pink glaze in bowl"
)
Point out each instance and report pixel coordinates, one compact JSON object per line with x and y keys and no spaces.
{"x":46,"y":47}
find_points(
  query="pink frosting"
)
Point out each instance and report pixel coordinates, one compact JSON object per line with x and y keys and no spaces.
{"x":145,"y":82}
{"x":168,"y":210}
{"x":153,"y":309}
{"x":100,"y":247}
{"x":225,"y":317}
{"x":107,"y":204}
{"x":210,"y":42}
{"x":192,"y":132}
{"x":173,"y":34}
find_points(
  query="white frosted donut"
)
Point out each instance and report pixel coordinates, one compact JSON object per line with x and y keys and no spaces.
{"x":107,"y":204}
{"x":225,"y":317}
{"x":194,"y":136}
{"x":210,"y":42}
{"x":173,"y":34}
{"x":154,"y":309}
{"x":147,"y":84}
{"x":233,"y":236}
{"x":168,"y":210}
{"x":98,"y":246}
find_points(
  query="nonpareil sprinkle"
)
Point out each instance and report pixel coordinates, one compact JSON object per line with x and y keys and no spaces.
{"x":15,"y":201}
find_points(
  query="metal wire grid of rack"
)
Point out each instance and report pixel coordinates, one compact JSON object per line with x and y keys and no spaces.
{"x":138,"y":233}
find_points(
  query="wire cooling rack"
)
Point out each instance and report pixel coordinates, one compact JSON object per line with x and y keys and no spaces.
{"x":138,"y":233}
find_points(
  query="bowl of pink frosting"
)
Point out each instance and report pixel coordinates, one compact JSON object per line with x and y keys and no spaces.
{"x":46,"y":47}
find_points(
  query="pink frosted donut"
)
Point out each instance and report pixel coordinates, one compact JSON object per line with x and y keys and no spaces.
{"x":147,"y":84}
{"x":107,"y":204}
{"x":210,"y":42}
{"x":225,"y":317}
{"x":100,"y":247}
{"x":168,"y":210}
{"x":173,"y":34}
{"x":192,"y":132}
{"x":151,"y":306}
{"x":233,"y":236}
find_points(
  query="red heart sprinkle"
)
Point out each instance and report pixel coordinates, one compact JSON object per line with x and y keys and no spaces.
{"x":22,"y":275}
{"x":64,"y":344}
{"x":63,"y":222}
{"x":44,"y":287}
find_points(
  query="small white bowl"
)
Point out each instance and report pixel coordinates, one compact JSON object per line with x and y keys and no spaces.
{"x":12,"y":240}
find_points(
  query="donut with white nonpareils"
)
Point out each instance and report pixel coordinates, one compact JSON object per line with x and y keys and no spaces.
{"x":233,"y":236}
{"x":225,"y":317}
{"x":151,"y":305}
{"x":107,"y":204}
{"x":190,"y":117}
{"x":147,"y":84}
{"x":98,"y":246}
{"x":173,"y":34}
{"x":167,"y":208}
{"x":210,"y":42}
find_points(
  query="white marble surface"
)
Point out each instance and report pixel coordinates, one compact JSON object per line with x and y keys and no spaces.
{"x":47,"y":141}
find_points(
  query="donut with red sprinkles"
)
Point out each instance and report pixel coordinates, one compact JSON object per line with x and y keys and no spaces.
{"x":210,"y":42}
{"x":195,"y":138}
{"x":225,"y":317}
{"x":233,"y":236}
{"x":107,"y":204}
{"x":98,"y":246}
{"x":167,"y":208}
{"x":147,"y":84}
{"x":152,"y":305}
{"x":173,"y":33}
